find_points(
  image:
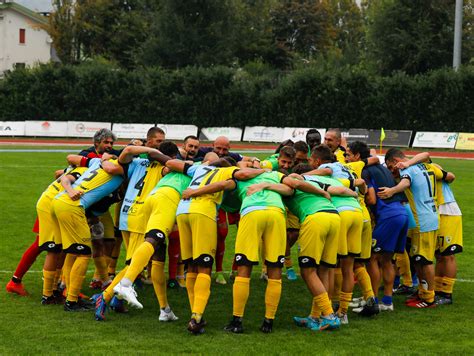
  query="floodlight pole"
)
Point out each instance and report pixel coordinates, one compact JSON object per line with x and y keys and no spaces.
{"x":457,"y":34}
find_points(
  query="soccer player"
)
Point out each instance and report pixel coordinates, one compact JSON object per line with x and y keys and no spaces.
{"x":143,"y":174}
{"x":101,"y":178}
{"x":419,"y":184}
{"x":391,"y":225}
{"x":318,"y":242}
{"x":198,"y":229}
{"x":103,"y":143}
{"x":190,"y":150}
{"x":332,"y":139}
{"x":350,"y":235}
{"x":313,"y":139}
{"x":302,"y":149}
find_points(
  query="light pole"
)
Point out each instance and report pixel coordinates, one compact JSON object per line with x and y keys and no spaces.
{"x":457,"y":34}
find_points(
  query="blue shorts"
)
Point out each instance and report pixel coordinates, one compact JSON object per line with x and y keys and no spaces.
{"x":390,"y":234}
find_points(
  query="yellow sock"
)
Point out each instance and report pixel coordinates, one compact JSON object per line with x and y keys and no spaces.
{"x":78,"y":273}
{"x":337,"y":284}
{"x":403,"y":264}
{"x":364,"y":281}
{"x":68,"y":263}
{"x":315,"y":309}
{"x":325,"y":306}
{"x":140,"y":260}
{"x":202,"y":291}
{"x":190,"y":282}
{"x":101,"y":268}
{"x":48,"y":282}
{"x":57,"y":277}
{"x":288,"y":262}
{"x":159,"y":282}
{"x":447,"y":285}
{"x":438,"y":283}
{"x":109,"y":291}
{"x":241,"y":292}
{"x":427,"y":295}
{"x":345,"y":299}
{"x":272,"y":297}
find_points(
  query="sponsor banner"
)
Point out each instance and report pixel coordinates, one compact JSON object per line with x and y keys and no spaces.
{"x":178,"y":132}
{"x":12,"y":128}
{"x":435,"y":139}
{"x":299,"y":133}
{"x":211,"y":133}
{"x":46,"y":128}
{"x":352,"y":135}
{"x":85,"y":129}
{"x":393,"y":138}
{"x":465,"y":141}
{"x":263,"y":134}
{"x":131,"y":130}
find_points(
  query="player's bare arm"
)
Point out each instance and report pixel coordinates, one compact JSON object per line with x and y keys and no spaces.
{"x":305,"y":187}
{"x":341,"y":191}
{"x":66,"y":182}
{"x":279,"y":188}
{"x":418,"y":158}
{"x":370,"y":197}
{"x":319,"y":172}
{"x":130,"y":151}
{"x":209,"y":189}
{"x":248,"y":173}
{"x":112,"y":168}
{"x":74,"y":160}
{"x":386,"y":193}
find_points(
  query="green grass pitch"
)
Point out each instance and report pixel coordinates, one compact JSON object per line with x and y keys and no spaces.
{"x":26,"y":327}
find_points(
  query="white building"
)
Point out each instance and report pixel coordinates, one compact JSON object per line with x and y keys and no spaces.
{"x":22,"y":40}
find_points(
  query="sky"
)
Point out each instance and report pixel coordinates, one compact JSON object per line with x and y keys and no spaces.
{"x":36,"y":5}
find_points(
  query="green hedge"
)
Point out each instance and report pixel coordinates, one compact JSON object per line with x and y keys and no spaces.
{"x":219,"y":96}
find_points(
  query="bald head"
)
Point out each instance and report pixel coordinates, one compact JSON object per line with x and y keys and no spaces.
{"x":221,"y":146}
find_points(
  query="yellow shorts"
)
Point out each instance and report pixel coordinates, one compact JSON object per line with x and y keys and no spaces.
{"x":75,"y":232}
{"x":366,"y":242}
{"x":108,"y":222}
{"x":449,"y":235}
{"x":134,"y":240}
{"x":318,"y":240}
{"x":423,"y":246}
{"x":350,"y":234}
{"x":198,"y":239}
{"x":49,"y":233}
{"x":265,"y":228}
{"x":292,"y":221}
{"x":159,"y":211}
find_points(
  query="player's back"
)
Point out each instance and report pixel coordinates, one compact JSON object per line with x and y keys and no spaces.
{"x":263,"y":198}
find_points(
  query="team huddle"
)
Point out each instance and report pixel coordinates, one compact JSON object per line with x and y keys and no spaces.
{"x":395,"y":225}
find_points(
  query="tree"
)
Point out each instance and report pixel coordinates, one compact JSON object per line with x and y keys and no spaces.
{"x":412,"y":36}
{"x":191,"y":32}
{"x":304,"y":27}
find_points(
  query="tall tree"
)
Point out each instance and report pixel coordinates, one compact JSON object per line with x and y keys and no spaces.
{"x":303,"y":26}
{"x":412,"y":36}
{"x":191,"y":32}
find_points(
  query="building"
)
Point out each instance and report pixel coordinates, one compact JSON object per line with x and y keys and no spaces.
{"x":23,"y":42}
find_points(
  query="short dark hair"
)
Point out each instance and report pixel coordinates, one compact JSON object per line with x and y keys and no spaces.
{"x":285,"y":143}
{"x":336,"y":131}
{"x":323,"y":153}
{"x":225,"y":161}
{"x":359,"y":147}
{"x":192,"y":137}
{"x":302,"y":168}
{"x":314,"y":132}
{"x":169,"y":148}
{"x":394,"y":153}
{"x":288,"y":151}
{"x":301,"y":146}
{"x":153,"y":131}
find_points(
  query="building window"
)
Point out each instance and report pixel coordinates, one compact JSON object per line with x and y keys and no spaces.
{"x":22,"y":36}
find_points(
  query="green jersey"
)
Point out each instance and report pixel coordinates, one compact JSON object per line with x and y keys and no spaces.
{"x":303,"y":204}
{"x":262,"y":199}
{"x":341,"y":203}
{"x":177,"y":181}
